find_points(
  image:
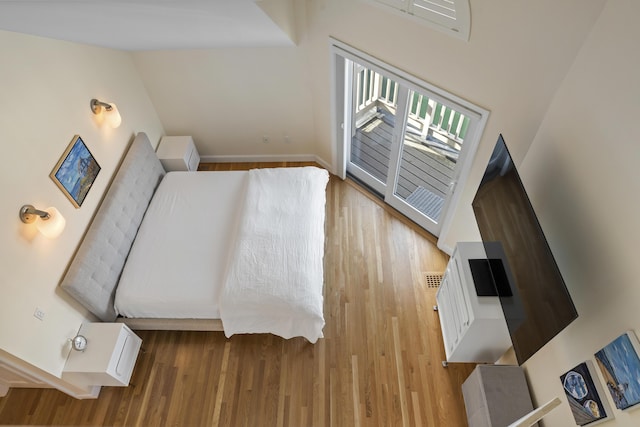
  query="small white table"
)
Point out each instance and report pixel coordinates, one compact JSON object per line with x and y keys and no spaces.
{"x":178,"y":153}
{"x":109,"y":358}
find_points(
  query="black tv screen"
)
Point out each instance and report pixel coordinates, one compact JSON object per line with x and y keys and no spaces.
{"x":537,"y":305}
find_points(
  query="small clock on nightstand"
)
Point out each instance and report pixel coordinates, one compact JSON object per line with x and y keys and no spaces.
{"x":178,"y":153}
{"x":103,"y":354}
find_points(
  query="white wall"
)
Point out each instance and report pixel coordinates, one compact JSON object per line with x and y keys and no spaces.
{"x":582,"y":175}
{"x":46,"y":89}
{"x":282,"y":12}
{"x":229,"y":98}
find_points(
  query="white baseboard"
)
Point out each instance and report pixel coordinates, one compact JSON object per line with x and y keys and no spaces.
{"x":325,"y":165}
{"x":267,"y":158}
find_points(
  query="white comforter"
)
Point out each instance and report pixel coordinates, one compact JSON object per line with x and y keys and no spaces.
{"x":275,"y":278}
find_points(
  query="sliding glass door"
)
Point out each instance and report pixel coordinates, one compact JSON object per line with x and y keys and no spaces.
{"x":432,"y":141}
{"x":405,"y":141}
{"x":373,"y":127}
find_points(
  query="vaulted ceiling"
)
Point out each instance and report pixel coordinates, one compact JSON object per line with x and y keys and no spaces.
{"x":150,"y":24}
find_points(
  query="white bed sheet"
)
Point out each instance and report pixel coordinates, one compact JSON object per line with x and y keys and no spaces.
{"x":178,"y":262}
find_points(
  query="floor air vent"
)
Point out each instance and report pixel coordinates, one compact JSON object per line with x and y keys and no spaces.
{"x":433,"y":280}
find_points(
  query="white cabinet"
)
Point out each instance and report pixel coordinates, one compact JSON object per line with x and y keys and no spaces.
{"x":473,"y":327}
{"x":109,"y":358}
{"x":178,"y":153}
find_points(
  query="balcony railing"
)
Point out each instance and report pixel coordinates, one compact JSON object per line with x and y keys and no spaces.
{"x":426,"y":115}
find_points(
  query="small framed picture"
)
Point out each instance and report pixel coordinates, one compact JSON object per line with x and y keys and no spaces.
{"x":620,"y":366}
{"x":76,"y":171}
{"x":585,"y":394}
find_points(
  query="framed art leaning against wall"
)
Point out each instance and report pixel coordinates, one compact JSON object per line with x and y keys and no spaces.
{"x":620,"y":366}
{"x":585,"y":395}
{"x":76,"y":171}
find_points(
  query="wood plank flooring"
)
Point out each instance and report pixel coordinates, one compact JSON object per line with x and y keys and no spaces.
{"x":378,"y":365}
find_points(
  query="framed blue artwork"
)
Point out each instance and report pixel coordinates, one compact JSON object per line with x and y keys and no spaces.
{"x":620,"y":366}
{"x":76,"y":171}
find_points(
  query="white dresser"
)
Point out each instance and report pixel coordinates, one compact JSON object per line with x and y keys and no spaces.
{"x":473,"y":327}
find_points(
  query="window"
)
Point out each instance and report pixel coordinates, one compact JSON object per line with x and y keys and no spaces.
{"x":451,"y":16}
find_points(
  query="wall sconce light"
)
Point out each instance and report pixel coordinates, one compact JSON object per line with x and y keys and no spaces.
{"x":50,"y":221}
{"x":111,"y":114}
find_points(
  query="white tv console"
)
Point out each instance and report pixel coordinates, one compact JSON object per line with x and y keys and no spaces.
{"x":473,"y":327}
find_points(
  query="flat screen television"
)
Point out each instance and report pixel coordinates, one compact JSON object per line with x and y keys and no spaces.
{"x":519,"y":262}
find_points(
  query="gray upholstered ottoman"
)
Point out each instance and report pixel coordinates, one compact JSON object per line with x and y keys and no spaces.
{"x":496,"y":395}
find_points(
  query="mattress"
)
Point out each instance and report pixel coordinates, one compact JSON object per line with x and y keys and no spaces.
{"x":178,"y":261}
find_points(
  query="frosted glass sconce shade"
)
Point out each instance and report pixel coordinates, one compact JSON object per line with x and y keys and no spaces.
{"x":110,"y":111}
{"x":49,"y":222}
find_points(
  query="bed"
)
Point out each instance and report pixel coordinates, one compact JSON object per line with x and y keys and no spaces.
{"x":237,"y":251}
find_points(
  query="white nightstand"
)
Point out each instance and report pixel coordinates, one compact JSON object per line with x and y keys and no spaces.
{"x":108,"y":360}
{"x":178,"y":153}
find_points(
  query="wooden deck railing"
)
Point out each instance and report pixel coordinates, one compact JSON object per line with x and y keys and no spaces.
{"x":425,"y":114}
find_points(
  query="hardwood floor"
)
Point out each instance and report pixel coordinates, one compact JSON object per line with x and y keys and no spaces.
{"x":378,"y":365}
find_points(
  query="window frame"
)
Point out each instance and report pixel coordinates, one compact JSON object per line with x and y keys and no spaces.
{"x":453,"y":17}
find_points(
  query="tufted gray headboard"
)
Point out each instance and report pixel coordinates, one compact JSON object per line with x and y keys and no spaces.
{"x":93,"y":275}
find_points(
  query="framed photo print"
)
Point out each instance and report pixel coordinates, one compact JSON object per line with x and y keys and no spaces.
{"x":585,"y":395}
{"x":76,"y":171}
{"x":620,"y":366}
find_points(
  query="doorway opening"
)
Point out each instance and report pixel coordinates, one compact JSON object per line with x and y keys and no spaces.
{"x":406,"y":140}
